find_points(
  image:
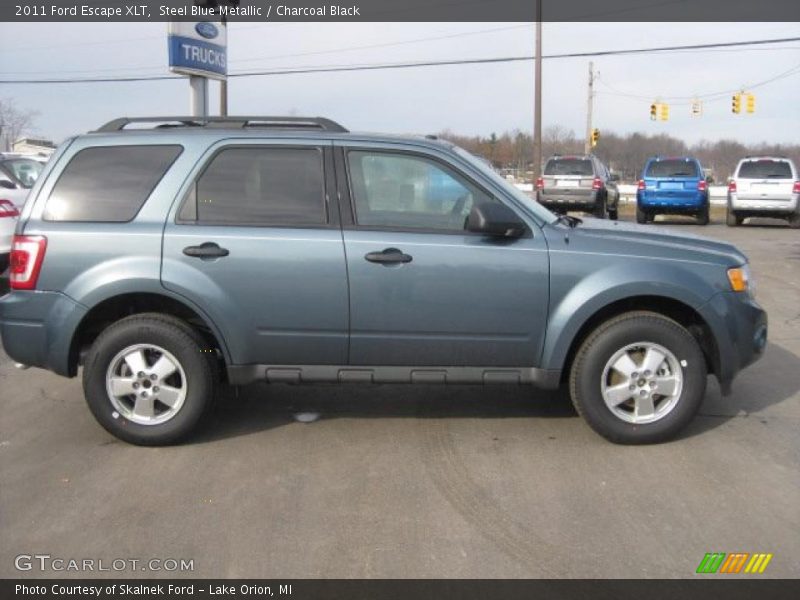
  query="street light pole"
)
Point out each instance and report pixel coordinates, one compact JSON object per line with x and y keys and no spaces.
{"x":537,"y":100}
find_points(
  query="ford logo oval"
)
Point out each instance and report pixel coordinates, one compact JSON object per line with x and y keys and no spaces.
{"x":206,"y":30}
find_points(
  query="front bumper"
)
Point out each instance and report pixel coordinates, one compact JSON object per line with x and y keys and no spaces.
{"x":37,"y":329}
{"x":763,"y":204}
{"x":739,"y":326}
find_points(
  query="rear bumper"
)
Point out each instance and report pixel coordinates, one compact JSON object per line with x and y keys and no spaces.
{"x":739,"y":326}
{"x":568,"y":200}
{"x":37,"y":328}
{"x":665,"y":202}
{"x":761,"y":204}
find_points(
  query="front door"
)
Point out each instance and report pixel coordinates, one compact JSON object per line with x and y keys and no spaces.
{"x":423,"y":290}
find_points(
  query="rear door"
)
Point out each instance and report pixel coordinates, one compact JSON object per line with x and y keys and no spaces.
{"x":765,"y":179}
{"x":569,"y":175}
{"x":423,"y":290}
{"x":256,"y":243}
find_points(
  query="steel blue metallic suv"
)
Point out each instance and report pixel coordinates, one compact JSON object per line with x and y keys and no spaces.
{"x":166,"y":261}
{"x":672,"y":186}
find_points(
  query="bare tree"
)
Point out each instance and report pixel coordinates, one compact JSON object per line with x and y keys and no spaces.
{"x":14,"y":122}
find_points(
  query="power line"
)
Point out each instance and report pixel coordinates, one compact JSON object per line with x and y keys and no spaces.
{"x":408,"y":65}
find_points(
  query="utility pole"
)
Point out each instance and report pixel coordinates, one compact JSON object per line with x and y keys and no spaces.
{"x":587,"y":144}
{"x":537,"y":99}
{"x":223,"y":84}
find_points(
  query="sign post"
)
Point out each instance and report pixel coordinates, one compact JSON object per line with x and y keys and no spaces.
{"x":200,"y":50}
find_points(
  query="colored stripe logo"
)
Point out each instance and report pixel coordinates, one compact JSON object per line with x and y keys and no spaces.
{"x":734,"y":563}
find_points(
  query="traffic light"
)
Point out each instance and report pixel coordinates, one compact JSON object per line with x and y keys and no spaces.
{"x":595,"y":137}
{"x":736,"y":104}
{"x":653,"y":111}
{"x":751,"y":103}
{"x":664,"y":112}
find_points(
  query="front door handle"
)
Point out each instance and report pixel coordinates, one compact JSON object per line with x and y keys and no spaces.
{"x":390,"y":256}
{"x":206,"y":250}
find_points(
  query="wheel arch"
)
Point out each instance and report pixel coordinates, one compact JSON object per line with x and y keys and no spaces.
{"x":116,"y":307}
{"x":672,"y":308}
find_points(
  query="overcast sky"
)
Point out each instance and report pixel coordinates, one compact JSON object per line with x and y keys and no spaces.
{"x":469,"y":99}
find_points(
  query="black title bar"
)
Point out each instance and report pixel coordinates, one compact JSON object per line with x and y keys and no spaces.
{"x":402,"y":10}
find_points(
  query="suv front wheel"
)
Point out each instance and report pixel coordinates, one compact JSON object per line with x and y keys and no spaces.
{"x":149,"y":378}
{"x":638,"y":378}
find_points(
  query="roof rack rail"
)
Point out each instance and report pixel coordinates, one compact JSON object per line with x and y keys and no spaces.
{"x":228,"y":123}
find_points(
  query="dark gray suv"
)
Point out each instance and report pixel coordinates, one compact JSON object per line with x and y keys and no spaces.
{"x":169,"y":260}
{"x":581,"y":183}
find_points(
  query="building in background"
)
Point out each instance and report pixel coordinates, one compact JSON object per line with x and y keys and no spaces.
{"x":33,"y":146}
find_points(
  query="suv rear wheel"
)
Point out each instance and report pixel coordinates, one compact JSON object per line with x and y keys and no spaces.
{"x":638,"y":378}
{"x":149,"y":378}
{"x":794,"y":220}
{"x":732,"y":219}
{"x":641,"y":215}
{"x":600,"y":208}
{"x":702,"y":216}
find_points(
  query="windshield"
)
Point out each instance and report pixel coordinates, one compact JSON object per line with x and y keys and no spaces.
{"x":529,"y":202}
{"x":24,"y":170}
{"x":765,"y":169}
{"x":678,"y":167}
{"x":569,"y":166}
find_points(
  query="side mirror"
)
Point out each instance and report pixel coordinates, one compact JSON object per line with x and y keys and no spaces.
{"x":5,"y":183}
{"x":496,"y":220}
{"x":614,"y":176}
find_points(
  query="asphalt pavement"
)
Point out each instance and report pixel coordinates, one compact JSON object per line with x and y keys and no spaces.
{"x":394,"y":481}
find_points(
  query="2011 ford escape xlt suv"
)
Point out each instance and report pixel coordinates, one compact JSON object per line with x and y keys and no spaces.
{"x":167,"y":261}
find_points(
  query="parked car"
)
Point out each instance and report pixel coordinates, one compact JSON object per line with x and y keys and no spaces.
{"x":8,"y":222}
{"x":168,"y":260}
{"x":580,"y":183}
{"x":17,"y":176}
{"x":764,"y":186}
{"x":672,"y":186}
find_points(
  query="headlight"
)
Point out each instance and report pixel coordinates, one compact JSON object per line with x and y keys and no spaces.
{"x":741,"y":279}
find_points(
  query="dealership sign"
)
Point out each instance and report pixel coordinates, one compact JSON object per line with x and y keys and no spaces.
{"x":198,"y":48}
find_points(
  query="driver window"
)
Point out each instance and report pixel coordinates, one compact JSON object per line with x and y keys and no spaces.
{"x":410,"y":192}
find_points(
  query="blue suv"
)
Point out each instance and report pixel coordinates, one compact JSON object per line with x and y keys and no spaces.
{"x":674,"y":186}
{"x":163,"y":262}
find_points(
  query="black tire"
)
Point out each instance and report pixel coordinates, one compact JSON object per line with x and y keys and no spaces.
{"x":732,"y":219}
{"x":600,"y":208}
{"x":613,"y":213}
{"x":641,"y":215}
{"x":3,"y":263}
{"x":794,"y":221}
{"x":198,"y":361}
{"x":703,"y":216}
{"x":601,"y":345}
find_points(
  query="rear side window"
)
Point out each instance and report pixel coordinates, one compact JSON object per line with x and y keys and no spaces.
{"x":260,"y":186}
{"x":108,"y":184}
{"x":765,"y":169}
{"x":672,"y":168}
{"x":569,"y":166}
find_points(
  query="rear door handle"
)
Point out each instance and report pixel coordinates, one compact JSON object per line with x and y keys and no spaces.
{"x":389,"y":256}
{"x":206,"y":250}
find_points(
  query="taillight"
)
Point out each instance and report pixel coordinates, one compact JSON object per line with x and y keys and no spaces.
{"x":732,"y":187}
{"x":796,"y":187}
{"x":641,"y":185}
{"x":597,"y":183}
{"x":27,"y":255}
{"x":702,"y":186}
{"x":539,"y":183}
{"x":7,"y":209}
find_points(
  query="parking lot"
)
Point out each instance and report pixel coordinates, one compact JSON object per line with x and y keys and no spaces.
{"x":396,"y":481}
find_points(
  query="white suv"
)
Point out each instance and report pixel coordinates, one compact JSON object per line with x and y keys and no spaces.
{"x":764,"y":186}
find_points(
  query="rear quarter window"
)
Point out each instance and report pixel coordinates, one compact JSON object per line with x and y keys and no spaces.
{"x":765,"y":169}
{"x":108,"y":184}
